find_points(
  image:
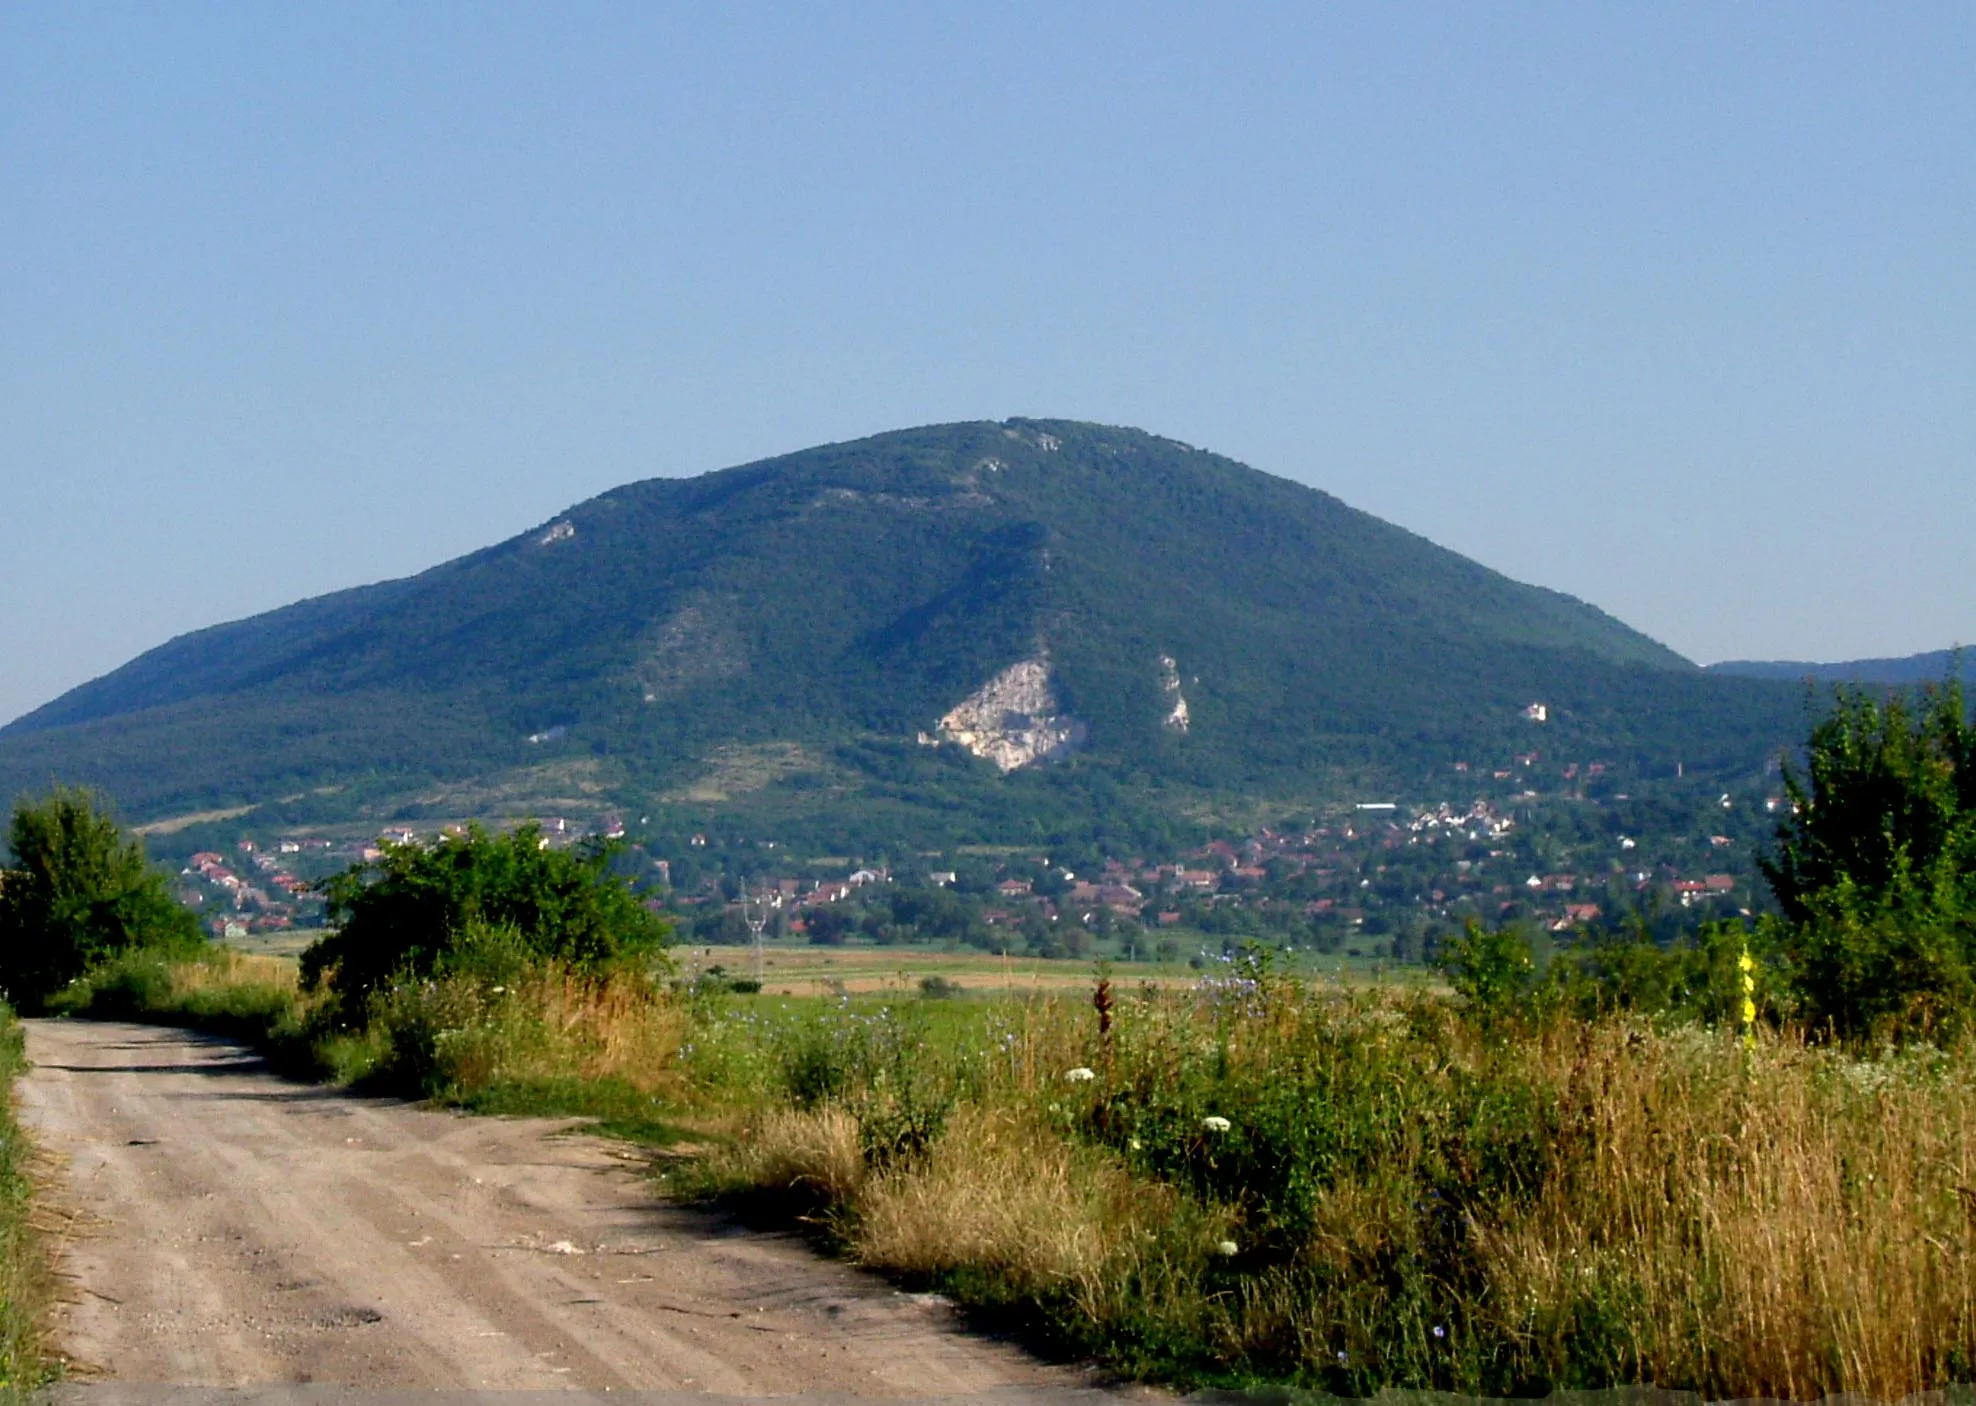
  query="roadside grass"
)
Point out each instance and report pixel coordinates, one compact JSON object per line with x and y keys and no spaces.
{"x":1258,"y":1178}
{"x":549,"y":1042}
{"x":1263,"y":1180}
{"x":26,"y":1279}
{"x":246,"y":997}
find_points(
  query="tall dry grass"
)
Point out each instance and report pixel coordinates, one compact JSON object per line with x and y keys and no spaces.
{"x":1403,"y":1199}
{"x":1787,"y":1222}
{"x":550,"y":1021}
{"x":223,"y":969}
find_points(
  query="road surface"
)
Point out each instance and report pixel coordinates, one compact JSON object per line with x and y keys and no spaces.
{"x":234,"y":1229}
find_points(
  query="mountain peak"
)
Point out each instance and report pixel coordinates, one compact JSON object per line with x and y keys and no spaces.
{"x":1027,"y":592}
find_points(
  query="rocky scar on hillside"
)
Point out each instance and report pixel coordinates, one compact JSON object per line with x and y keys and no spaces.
{"x":1015,"y":719}
{"x":1176,"y":716}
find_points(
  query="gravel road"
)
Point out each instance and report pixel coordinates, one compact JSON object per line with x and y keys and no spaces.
{"x":232,"y":1229}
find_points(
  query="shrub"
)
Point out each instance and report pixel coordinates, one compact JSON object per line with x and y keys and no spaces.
{"x":1875,"y":868}
{"x":1491,"y":969}
{"x":1696,"y":978}
{"x":1888,"y":797}
{"x":79,"y":894}
{"x":476,"y":899}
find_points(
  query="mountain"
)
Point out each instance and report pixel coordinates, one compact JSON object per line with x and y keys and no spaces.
{"x":1932,"y":667}
{"x":978,"y":623}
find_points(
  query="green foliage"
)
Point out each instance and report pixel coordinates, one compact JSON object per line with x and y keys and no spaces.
{"x":883,"y":1066}
{"x":1492,"y":969}
{"x":478,"y":903}
{"x":1693,"y":978}
{"x":1898,"y":962}
{"x":79,"y":893}
{"x":1875,"y":868}
{"x":1887,"y":800}
{"x":25,"y":1280}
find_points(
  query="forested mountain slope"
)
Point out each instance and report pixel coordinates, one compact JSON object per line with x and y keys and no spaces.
{"x":1133,"y":608}
{"x":1931,"y":667}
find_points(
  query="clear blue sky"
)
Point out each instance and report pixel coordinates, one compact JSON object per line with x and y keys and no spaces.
{"x":1671,"y":307}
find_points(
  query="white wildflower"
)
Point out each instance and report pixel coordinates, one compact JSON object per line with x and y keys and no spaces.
{"x":1215,"y":1123}
{"x":1081,"y":1075}
{"x":1225,"y":1248}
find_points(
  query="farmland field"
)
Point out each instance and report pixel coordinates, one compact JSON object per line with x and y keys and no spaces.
{"x":791,"y":970}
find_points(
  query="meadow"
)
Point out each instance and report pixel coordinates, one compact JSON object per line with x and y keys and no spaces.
{"x":1242,"y":1175}
{"x":791,"y":969}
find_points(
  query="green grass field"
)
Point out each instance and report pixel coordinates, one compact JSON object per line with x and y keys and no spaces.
{"x":790,"y":969}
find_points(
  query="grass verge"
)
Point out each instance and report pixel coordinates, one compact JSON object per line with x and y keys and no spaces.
{"x":1262,"y":1181}
{"x":26,"y":1282}
{"x":548,"y":1042}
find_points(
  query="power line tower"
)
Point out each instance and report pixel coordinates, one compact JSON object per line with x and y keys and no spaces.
{"x":756,"y":912}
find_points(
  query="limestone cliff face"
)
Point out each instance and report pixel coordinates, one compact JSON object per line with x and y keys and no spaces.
{"x":1014,"y":719}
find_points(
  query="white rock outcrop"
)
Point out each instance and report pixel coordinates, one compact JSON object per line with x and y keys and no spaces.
{"x":1176,"y":716}
{"x":1014,"y":719}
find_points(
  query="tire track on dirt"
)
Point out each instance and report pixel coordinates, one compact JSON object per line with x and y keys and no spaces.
{"x":239,"y":1229}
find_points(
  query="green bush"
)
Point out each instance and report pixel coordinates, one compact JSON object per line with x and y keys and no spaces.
{"x":478,"y":901}
{"x":1696,"y":978}
{"x":78,"y":894}
{"x":1875,"y":868}
{"x":1493,"y":970}
{"x":1896,"y":963}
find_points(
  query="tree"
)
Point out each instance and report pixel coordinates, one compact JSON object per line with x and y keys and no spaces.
{"x":407,"y":913}
{"x":1888,"y":789}
{"x":78,"y":893}
{"x":1875,"y":866}
{"x":1493,"y":969}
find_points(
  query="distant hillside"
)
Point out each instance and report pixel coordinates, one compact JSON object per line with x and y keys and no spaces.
{"x":1932,"y":667}
{"x":981,"y":620}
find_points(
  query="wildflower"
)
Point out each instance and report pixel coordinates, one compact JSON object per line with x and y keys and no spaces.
{"x":1215,"y":1123}
{"x":1081,"y":1075}
{"x":1746,"y":964}
{"x":1225,"y":1248}
{"x":1135,"y":1144}
{"x":1439,"y":1331}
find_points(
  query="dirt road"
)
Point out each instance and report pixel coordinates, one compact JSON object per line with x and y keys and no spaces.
{"x":238,"y":1229}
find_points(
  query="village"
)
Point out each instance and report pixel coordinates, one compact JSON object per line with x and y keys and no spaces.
{"x":1374,"y":879}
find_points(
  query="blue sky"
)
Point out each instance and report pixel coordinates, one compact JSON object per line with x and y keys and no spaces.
{"x":1671,"y":307}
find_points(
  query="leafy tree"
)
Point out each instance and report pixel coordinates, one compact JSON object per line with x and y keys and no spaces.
{"x":1493,"y":969}
{"x":1876,"y":865}
{"x":78,"y":892}
{"x":409,"y":912}
{"x":1889,"y":789}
